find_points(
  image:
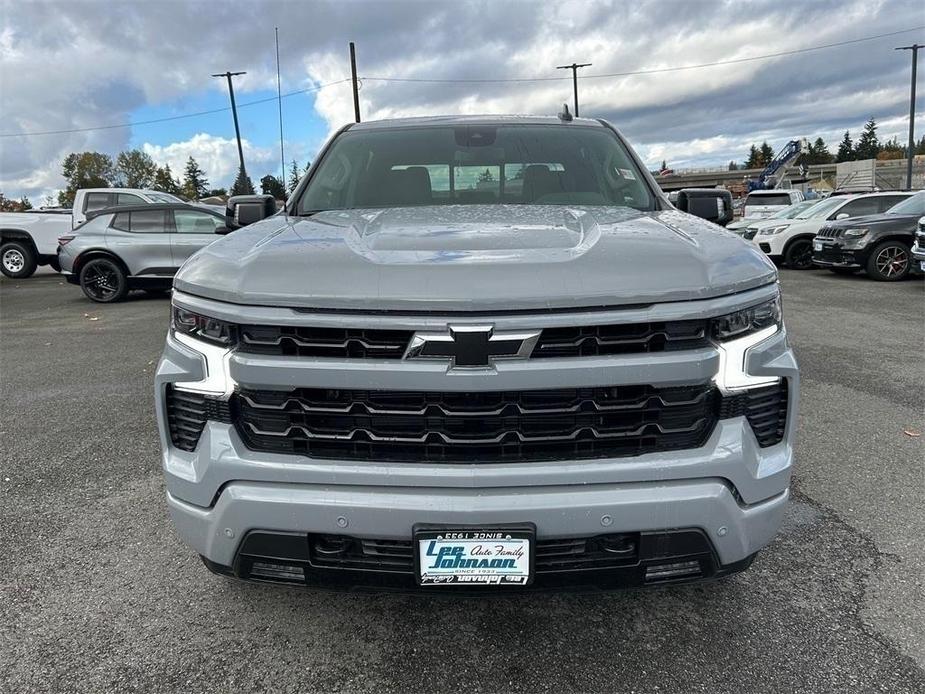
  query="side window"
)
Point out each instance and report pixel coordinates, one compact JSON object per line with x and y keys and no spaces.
{"x":121,"y":222}
{"x":887,"y":201}
{"x":128,"y":199}
{"x":148,"y":221}
{"x":96,"y":201}
{"x":190,"y":222}
{"x":858,"y":207}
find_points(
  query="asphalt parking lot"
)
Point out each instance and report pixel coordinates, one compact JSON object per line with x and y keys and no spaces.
{"x":98,"y":594}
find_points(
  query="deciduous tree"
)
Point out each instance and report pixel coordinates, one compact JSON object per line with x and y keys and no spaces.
{"x":85,"y":170}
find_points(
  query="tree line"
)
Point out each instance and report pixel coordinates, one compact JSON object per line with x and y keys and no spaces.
{"x":136,"y":169}
{"x":867,"y":146}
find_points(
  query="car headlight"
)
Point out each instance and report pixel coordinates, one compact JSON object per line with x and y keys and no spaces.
{"x":211,"y":330}
{"x":773,"y":230}
{"x":856,"y":232}
{"x":747,"y":321}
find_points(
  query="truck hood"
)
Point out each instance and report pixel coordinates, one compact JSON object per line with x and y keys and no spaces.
{"x":475,"y":258}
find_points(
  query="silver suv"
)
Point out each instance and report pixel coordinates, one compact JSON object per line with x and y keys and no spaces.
{"x":478,"y":352}
{"x":135,"y":247}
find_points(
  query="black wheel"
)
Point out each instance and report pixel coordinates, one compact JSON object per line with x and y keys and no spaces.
{"x":103,"y":281}
{"x":17,"y":260}
{"x":799,"y":255}
{"x":889,"y":262}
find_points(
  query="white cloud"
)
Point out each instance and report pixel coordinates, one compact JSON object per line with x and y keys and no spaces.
{"x":217,"y":156}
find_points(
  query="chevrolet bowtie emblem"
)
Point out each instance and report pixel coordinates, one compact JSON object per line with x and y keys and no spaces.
{"x":472,"y":346}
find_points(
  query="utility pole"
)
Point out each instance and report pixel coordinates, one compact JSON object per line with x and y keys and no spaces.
{"x":356,"y":88}
{"x":234,"y":113}
{"x":574,"y":68}
{"x":911,"y":151}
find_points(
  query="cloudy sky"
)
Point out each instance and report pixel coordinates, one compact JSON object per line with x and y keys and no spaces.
{"x":83,"y":65}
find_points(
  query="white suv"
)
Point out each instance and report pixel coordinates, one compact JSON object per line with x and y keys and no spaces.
{"x":791,"y":241}
{"x":763,"y":203}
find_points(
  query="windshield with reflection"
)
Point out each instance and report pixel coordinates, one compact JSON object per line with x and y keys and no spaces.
{"x":521,"y":164}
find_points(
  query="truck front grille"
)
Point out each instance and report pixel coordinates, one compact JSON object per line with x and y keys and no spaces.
{"x":450,"y":427}
{"x":764,"y":408}
{"x":597,"y":340}
{"x":342,"y":343}
{"x":829,"y":232}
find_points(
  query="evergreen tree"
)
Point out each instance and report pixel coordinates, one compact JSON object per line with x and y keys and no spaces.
{"x":294,"y":176}
{"x":753,"y":160}
{"x":733,"y":166}
{"x":242,"y":184}
{"x":845,"y":149}
{"x":664,"y":165}
{"x":165,"y":182}
{"x":767,"y":154}
{"x":868,"y":145}
{"x":24,"y":203}
{"x":218,"y":193}
{"x":195,"y":184}
{"x":920,"y":147}
{"x":271,"y":185}
{"x":820,"y":152}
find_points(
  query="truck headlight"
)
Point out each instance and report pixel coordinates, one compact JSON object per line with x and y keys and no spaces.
{"x":748,"y":321}
{"x":772,"y":230}
{"x":211,"y":330}
{"x":735,"y":334}
{"x":856,"y":232}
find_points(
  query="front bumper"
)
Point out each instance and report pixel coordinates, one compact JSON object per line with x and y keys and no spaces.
{"x":730,"y":489}
{"x":837,"y":255}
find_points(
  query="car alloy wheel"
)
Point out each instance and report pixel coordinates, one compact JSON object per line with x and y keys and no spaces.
{"x":892,"y":261}
{"x":102,"y":281}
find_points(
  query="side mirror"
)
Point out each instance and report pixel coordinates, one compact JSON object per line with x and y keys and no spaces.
{"x":842,"y":215}
{"x":222,"y":230}
{"x":242,"y":210}
{"x":712,"y":204}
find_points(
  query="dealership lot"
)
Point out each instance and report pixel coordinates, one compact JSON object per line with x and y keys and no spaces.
{"x":99,"y":595}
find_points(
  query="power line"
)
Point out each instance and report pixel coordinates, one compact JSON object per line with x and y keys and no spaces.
{"x":652,"y":71}
{"x":173,"y":118}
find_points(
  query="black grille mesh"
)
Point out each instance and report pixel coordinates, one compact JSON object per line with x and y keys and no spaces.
{"x":765,"y":409}
{"x":187,"y":414}
{"x":476,"y":427}
{"x":324,"y":342}
{"x":596,"y":340}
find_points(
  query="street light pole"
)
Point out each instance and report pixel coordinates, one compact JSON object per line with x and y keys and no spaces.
{"x":234,"y":113}
{"x":911,"y":151}
{"x":574,"y":68}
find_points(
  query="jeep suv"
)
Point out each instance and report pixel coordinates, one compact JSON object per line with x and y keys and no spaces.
{"x":477,"y":352}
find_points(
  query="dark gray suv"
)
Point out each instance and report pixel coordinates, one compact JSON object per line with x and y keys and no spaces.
{"x":136,"y":247}
{"x":477,"y":352}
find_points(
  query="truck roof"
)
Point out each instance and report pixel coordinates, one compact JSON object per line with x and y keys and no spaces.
{"x":418,"y":121}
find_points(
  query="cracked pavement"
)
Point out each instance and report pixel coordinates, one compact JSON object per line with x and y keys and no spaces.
{"x":99,"y":595}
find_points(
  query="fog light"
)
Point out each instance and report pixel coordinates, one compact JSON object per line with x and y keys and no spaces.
{"x":277,"y":572}
{"x":659,"y":572}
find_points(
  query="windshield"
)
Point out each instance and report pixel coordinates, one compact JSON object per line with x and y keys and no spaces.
{"x":476,"y":165}
{"x":913,"y":205}
{"x":793,"y":210}
{"x":163,"y":197}
{"x":821,"y":209}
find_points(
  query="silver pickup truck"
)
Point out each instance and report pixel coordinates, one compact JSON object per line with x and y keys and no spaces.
{"x":30,"y":239}
{"x":483,"y":353}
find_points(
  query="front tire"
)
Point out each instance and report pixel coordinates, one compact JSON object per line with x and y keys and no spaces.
{"x":17,"y":260}
{"x":799,"y":255}
{"x":103,"y":281}
{"x":890,"y":261}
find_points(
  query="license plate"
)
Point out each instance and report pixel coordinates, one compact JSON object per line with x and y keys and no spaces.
{"x":817,"y":245}
{"x":474,"y":556}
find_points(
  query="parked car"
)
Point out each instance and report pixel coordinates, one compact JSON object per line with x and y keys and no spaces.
{"x":918,"y":249}
{"x":30,"y":239}
{"x":426,"y":379}
{"x":879,"y":243}
{"x":135,"y":247}
{"x":791,"y":241}
{"x":763,"y":203}
{"x":747,"y":227}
